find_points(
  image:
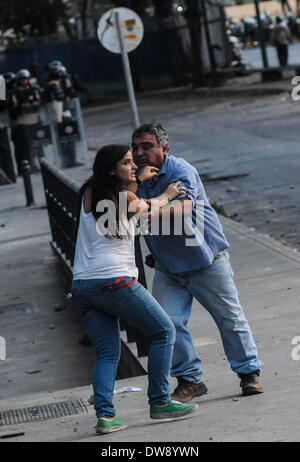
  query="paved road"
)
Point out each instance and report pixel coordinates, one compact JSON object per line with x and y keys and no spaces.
{"x":253,"y":140}
{"x":267,"y":277}
{"x":253,"y":55}
{"x":257,"y":138}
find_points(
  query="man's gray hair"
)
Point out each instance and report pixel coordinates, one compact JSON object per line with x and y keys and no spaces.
{"x":154,"y":129}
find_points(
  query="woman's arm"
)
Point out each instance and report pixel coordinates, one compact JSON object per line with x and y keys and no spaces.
{"x":147,"y":173}
{"x":87,"y":200}
{"x":137,"y":205}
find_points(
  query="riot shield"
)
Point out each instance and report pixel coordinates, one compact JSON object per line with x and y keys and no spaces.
{"x":44,"y":136}
{"x":6,"y":158}
{"x":73,"y":105}
{"x":40,"y":144}
{"x":67,"y":133}
{"x":30,"y":142}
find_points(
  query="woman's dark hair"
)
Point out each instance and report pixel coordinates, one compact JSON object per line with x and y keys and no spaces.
{"x":104,"y":185}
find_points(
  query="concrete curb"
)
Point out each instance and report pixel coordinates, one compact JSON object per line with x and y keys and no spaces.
{"x":262,"y":239}
{"x":181,"y":92}
{"x":216,"y":91}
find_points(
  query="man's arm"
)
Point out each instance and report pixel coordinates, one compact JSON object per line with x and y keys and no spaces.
{"x":137,"y":205}
{"x":183,"y":207}
{"x":190,"y":179}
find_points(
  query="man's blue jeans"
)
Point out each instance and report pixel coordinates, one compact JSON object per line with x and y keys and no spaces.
{"x":100,"y":308}
{"x":215,"y":290}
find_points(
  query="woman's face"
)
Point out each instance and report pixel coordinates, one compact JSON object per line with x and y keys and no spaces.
{"x":125,"y":169}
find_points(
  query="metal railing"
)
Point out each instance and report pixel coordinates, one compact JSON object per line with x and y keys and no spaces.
{"x":62,"y":198}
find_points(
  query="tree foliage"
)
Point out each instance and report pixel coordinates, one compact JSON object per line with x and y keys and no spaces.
{"x":30,"y":18}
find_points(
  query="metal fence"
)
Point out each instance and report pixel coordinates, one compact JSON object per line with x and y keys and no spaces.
{"x":93,"y":64}
{"x":62,"y":198}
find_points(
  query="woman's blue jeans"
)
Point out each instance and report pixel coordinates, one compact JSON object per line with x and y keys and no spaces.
{"x":100,"y":309}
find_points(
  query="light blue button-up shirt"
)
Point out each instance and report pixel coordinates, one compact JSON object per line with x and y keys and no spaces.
{"x":202,"y":237}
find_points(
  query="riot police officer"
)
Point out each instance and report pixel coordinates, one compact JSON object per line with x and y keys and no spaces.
{"x":68,"y":83}
{"x":55,"y":93}
{"x":58,"y":91}
{"x":32,"y":68}
{"x":65,"y":114}
{"x":10,"y":80}
{"x":23,"y":108}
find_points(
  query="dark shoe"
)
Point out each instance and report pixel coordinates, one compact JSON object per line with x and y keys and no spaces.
{"x":172,"y":410}
{"x":250,"y":383}
{"x":186,"y":391}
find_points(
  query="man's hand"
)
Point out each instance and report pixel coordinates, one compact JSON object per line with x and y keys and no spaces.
{"x":182,"y":207}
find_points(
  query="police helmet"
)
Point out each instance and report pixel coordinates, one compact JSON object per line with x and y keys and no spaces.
{"x":55,"y":63}
{"x":56,"y":72}
{"x":63,"y":69}
{"x":9,"y":77}
{"x":23,"y":74}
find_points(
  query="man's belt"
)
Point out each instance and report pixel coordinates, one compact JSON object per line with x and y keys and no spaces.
{"x":220,"y":254}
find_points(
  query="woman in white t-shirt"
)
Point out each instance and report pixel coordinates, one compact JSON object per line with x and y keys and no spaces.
{"x":105,"y":286}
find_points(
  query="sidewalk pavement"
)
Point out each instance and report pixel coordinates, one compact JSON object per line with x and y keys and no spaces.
{"x":46,"y":364}
{"x":41,"y":332}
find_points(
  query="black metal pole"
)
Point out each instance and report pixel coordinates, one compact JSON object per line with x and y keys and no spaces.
{"x":208,"y":39}
{"x":26,"y":171}
{"x":261,"y":35}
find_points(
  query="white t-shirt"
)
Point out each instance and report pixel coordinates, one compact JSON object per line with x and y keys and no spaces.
{"x":101,"y":257}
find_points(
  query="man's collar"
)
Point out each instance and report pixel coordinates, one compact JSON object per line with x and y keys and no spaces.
{"x":162,"y":170}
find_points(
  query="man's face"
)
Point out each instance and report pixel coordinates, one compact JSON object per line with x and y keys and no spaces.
{"x":24,"y":82}
{"x":146,"y":151}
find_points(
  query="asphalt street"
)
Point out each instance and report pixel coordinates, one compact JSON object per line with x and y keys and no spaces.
{"x":246,"y":151}
{"x":253,"y":56}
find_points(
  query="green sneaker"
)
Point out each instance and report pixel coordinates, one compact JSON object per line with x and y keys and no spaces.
{"x":109,"y":426}
{"x":173,"y":410}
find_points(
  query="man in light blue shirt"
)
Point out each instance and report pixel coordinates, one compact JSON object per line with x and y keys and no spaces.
{"x":188,"y":256}
{"x":193,"y":263}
